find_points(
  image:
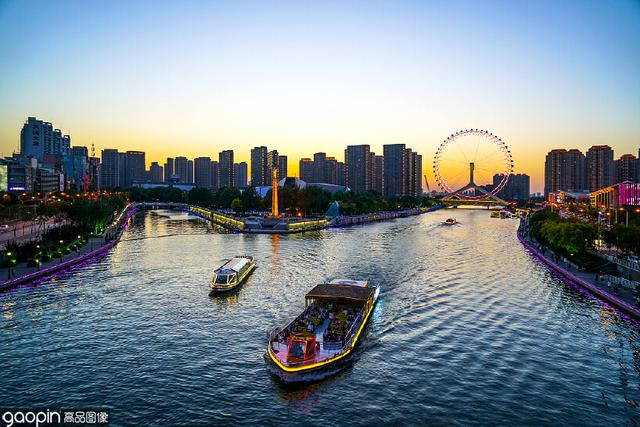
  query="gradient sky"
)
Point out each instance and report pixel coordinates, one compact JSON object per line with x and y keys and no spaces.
{"x":193,"y":78}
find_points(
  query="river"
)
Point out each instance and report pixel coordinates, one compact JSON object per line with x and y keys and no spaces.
{"x":470,"y":329}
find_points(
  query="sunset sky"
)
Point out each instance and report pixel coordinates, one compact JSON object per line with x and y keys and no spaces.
{"x":193,"y":78}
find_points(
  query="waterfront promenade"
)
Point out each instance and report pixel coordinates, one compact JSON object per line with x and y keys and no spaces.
{"x":620,"y":297}
{"x":95,"y":246}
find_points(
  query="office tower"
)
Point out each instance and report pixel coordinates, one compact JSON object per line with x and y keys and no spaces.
{"x":282,"y":167}
{"x":95,"y":183}
{"x":155,"y":172}
{"x":394,"y":164}
{"x":600,"y":167}
{"x":38,"y":138}
{"x":110,"y":168}
{"x":135,"y":168}
{"x":202,"y":172}
{"x":564,"y":170}
{"x":240,"y":172}
{"x":168,"y":169}
{"x":76,"y":170}
{"x":60,"y":144}
{"x":215,"y":175}
{"x":341,"y":174}
{"x":306,"y":169}
{"x":358,"y":167}
{"x":181,"y":165}
{"x":626,"y":168}
{"x":259,"y":175}
{"x":320,"y":167}
{"x":225,"y":162}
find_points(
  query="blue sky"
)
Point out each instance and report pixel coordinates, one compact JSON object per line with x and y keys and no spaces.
{"x":195,"y":78}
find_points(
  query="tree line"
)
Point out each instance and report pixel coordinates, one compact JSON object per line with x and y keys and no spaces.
{"x":294,"y":201}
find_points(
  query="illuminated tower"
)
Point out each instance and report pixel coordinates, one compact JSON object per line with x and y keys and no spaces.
{"x":274,"y":192}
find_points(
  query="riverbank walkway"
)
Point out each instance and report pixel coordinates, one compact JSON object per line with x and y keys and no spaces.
{"x":95,"y":246}
{"x":621,"y":297}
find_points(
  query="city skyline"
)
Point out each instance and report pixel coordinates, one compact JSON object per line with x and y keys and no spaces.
{"x":277,"y":76}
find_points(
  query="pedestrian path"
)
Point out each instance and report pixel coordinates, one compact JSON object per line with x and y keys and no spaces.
{"x":620,"y":297}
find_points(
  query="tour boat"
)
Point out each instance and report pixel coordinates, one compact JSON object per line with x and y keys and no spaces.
{"x":450,"y":221}
{"x":320,"y":340}
{"x":231,"y":274}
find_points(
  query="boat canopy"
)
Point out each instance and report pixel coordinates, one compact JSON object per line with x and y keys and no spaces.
{"x":233,"y":266}
{"x":362,"y":283}
{"x":341,"y":292}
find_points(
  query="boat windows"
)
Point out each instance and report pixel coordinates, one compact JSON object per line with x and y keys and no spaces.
{"x":222,"y":278}
{"x":297,"y":349}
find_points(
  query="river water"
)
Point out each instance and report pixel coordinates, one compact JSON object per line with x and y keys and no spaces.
{"x":470,"y":329}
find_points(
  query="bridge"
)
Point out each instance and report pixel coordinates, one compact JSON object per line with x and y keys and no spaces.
{"x":461,"y":197}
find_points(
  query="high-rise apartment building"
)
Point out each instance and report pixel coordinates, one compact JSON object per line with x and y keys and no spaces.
{"x":110,"y":168}
{"x":181,"y":167}
{"x":340,"y":174}
{"x":564,"y":170}
{"x":395,"y":170}
{"x":225,"y":162}
{"x":600,"y":167}
{"x":305,"y":169}
{"x":168,"y":169}
{"x":135,"y":167}
{"x":416,"y":175}
{"x":358,"y":167}
{"x":320,"y":167}
{"x":377,"y":174}
{"x":259,"y":175}
{"x":189,"y":171}
{"x":626,"y":168}
{"x":122,"y":167}
{"x":282,"y":167}
{"x":202,"y":172}
{"x":240,"y":174}
{"x":272,"y":162}
{"x":518,"y":187}
{"x":155,"y":172}
{"x":215,"y":175}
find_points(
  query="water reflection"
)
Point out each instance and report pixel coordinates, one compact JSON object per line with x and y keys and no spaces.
{"x":469,"y":326}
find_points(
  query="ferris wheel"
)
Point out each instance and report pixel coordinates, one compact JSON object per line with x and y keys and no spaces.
{"x":472,"y":164}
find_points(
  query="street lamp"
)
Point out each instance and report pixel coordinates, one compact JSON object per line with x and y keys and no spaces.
{"x":9,"y":269}
{"x":61,"y":252}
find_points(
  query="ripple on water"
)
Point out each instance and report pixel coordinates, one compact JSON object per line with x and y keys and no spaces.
{"x":470,"y":329}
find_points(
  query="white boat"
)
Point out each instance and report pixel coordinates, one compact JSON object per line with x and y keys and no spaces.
{"x":231,"y":274}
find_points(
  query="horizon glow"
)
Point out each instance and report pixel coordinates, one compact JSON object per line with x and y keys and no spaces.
{"x":197,"y":78}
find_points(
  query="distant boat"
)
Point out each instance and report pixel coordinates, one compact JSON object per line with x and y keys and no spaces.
{"x":450,"y":221}
{"x":319,"y":341}
{"x":231,"y":274}
{"x":495,"y":214}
